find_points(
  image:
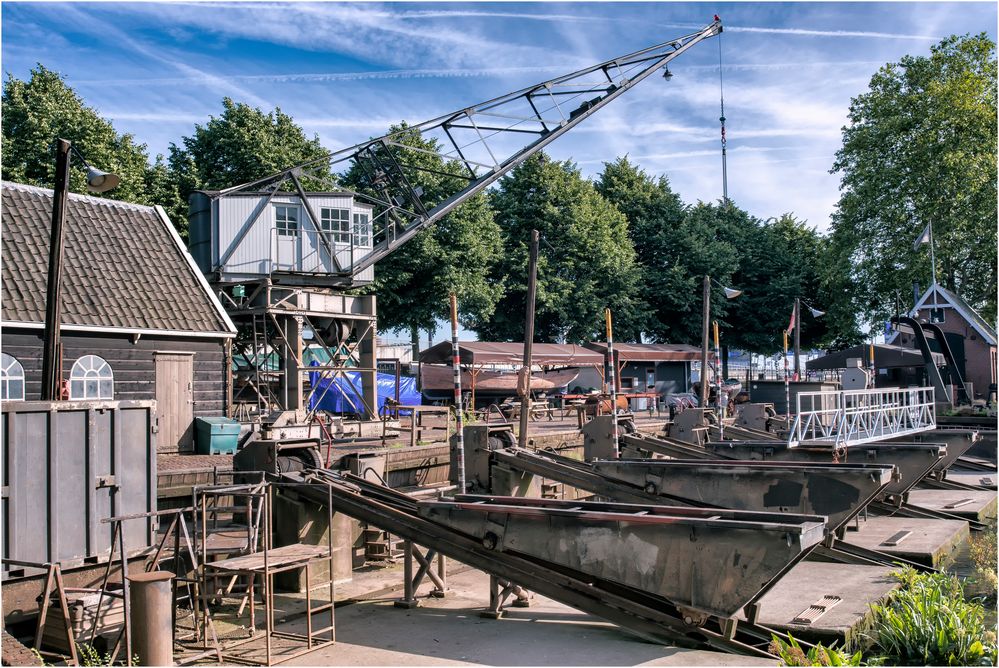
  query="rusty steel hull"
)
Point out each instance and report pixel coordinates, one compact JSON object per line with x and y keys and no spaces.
{"x":913,"y":461}
{"x":957,"y":442}
{"x":838,"y":491}
{"x":708,"y":560}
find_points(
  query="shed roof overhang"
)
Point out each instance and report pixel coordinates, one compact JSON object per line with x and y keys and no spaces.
{"x":486,"y":352}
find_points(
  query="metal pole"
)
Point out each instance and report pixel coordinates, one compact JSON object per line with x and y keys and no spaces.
{"x":797,"y":338}
{"x":51,"y":373}
{"x":612,"y":375}
{"x":152,"y":629}
{"x":525,"y":381}
{"x":459,"y":417}
{"x":704,"y":340}
{"x":719,"y":406}
{"x":787,"y":385}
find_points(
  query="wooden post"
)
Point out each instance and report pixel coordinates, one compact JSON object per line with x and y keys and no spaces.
{"x":797,"y":338}
{"x":705,"y":319}
{"x":613,"y":380}
{"x":459,"y":418}
{"x":525,"y":381}
{"x":51,"y":368}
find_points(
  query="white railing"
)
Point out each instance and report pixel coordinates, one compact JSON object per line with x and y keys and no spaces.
{"x":852,"y":417}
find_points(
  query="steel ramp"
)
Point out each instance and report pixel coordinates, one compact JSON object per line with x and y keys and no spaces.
{"x":838,"y":491}
{"x":709,"y":560}
{"x":683,"y":539}
{"x":914,"y":461}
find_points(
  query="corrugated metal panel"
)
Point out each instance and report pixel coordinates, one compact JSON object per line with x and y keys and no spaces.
{"x":67,"y":466}
{"x":260,"y":250}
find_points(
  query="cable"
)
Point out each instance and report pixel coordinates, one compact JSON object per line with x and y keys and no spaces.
{"x":721,"y":92}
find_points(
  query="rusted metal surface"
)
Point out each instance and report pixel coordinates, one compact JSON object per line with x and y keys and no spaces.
{"x":710,"y":560}
{"x":67,"y":465}
{"x":838,"y":491}
{"x":913,"y":460}
{"x":720,"y":559}
{"x":152,"y":617}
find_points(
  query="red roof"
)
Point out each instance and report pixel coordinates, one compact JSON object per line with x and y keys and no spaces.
{"x":485,"y":352}
{"x":650,"y":352}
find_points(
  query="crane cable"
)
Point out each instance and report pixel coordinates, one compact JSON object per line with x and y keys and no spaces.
{"x":721,"y":91}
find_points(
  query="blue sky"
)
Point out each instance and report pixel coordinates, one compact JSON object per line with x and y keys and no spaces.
{"x":345,"y":71}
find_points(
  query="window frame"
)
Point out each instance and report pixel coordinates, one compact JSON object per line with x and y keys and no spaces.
{"x":7,"y":363}
{"x":281,"y":225}
{"x":362,"y":231}
{"x":79,"y":386}
{"x":340,"y":234}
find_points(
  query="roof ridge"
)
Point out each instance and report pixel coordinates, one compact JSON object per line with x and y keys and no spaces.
{"x":104,"y":201}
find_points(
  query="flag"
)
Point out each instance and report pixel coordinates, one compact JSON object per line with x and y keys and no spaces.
{"x":924,"y":237}
{"x":791,"y":326}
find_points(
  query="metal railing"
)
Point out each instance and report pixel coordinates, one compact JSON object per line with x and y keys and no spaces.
{"x":852,"y":417}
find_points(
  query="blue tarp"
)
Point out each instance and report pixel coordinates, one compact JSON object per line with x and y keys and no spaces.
{"x":337,"y":395}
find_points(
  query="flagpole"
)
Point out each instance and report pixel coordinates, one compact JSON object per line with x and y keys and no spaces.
{"x":933,"y":269}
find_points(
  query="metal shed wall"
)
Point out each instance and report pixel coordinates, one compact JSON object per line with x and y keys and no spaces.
{"x":69,"y":464}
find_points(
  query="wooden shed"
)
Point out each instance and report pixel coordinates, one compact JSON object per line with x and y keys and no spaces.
{"x":139,"y":321}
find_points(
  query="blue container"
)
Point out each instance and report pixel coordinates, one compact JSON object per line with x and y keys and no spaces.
{"x":216,"y":435}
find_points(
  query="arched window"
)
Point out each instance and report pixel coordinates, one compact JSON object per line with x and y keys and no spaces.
{"x":91,"y":378}
{"x":11,"y":379}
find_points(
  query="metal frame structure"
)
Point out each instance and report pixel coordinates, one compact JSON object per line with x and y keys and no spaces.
{"x":852,"y":417}
{"x":476,"y":146}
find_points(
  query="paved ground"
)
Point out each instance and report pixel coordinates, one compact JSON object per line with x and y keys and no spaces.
{"x":449,"y":632}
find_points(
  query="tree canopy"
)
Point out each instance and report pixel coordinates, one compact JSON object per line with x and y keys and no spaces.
{"x":241,"y":144}
{"x":43,"y":109}
{"x":454,"y":255}
{"x":586,"y":260}
{"x":920,"y":148}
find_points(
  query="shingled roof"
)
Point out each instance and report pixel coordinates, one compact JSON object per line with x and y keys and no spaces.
{"x":124,"y":268}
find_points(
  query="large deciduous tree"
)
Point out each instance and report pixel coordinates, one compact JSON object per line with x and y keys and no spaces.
{"x":240,"y":145}
{"x":456,"y":254}
{"x":43,"y":109}
{"x":920,"y":148}
{"x":586,"y":260}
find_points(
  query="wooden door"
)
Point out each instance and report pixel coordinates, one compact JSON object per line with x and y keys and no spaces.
{"x":175,"y":402}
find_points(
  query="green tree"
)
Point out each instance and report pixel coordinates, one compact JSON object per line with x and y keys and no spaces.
{"x":240,"y":145}
{"x":456,"y":254}
{"x":586,"y":260}
{"x":779,"y":262}
{"x":43,"y":109}
{"x":920,"y":147}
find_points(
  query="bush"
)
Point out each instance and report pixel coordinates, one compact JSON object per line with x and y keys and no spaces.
{"x":792,"y":654}
{"x":983,"y":556}
{"x":928,"y":622}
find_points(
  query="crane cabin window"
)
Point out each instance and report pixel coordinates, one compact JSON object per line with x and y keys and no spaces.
{"x":286,"y":218}
{"x":11,"y":378}
{"x":335,"y":224}
{"x":362,"y":229}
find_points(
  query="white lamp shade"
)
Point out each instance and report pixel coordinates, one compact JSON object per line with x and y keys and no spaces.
{"x":731,"y":293}
{"x":99,"y":182}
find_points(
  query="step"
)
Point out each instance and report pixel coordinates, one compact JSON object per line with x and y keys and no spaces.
{"x":929,"y":542}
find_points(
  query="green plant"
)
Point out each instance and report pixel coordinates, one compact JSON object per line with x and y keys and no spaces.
{"x":792,"y":654}
{"x":983,"y":556}
{"x":928,"y":622}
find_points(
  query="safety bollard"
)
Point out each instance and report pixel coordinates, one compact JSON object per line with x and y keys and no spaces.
{"x":151,"y":617}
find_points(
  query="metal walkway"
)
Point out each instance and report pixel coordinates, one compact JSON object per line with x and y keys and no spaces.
{"x":855,"y":417}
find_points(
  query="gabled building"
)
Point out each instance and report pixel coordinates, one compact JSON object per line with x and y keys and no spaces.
{"x":972,"y":340}
{"x":138,"y":318}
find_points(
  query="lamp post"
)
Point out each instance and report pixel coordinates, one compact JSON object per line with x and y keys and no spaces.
{"x":816,"y":313}
{"x":730,"y":293}
{"x":97,"y":182}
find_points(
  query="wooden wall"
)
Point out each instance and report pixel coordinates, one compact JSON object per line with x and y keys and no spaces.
{"x":133,"y":364}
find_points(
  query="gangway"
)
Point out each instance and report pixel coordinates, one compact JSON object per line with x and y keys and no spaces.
{"x":651,"y":569}
{"x":854,"y":417}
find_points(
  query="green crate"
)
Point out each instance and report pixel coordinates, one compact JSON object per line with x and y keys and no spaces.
{"x":216,"y":435}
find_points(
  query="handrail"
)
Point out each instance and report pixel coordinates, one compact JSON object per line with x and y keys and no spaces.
{"x":852,"y":417}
